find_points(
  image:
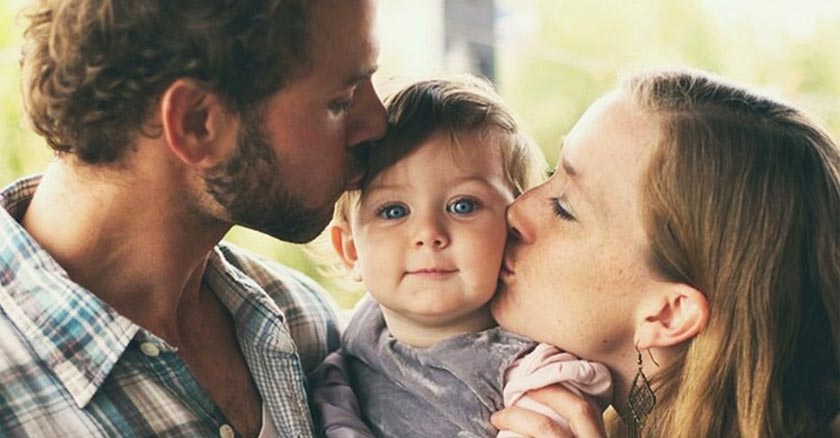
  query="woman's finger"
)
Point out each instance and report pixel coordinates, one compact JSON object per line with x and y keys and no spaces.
{"x":585,"y":420}
{"x":527,"y":423}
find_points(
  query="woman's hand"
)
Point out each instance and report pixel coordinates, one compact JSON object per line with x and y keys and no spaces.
{"x":583,"y":419}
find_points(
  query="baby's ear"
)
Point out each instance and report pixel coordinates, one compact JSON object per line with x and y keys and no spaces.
{"x":342,"y":241}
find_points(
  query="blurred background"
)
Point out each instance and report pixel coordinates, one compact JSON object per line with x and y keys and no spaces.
{"x":549,"y":59}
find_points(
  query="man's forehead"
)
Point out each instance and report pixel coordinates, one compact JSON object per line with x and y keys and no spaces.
{"x":343,"y":40}
{"x":343,"y":23}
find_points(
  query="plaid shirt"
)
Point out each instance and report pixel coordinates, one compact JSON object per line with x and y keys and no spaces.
{"x":71,"y":366}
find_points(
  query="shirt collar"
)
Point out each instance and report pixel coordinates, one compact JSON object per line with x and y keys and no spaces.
{"x":260,"y":323}
{"x":77,"y":335}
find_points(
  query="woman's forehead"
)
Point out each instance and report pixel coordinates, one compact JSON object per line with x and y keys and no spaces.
{"x":608,"y":151}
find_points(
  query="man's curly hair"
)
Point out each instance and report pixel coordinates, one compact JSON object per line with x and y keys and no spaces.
{"x":94,"y":69}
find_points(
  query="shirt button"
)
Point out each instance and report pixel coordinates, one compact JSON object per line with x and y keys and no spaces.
{"x":226,"y":431}
{"x":150,"y":349}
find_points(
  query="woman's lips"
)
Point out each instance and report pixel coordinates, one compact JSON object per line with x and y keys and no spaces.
{"x":506,"y":271}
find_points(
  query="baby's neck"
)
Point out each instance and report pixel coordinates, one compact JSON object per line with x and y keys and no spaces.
{"x":422,"y":333}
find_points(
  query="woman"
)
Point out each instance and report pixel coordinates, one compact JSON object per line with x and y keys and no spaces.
{"x":690,"y":241}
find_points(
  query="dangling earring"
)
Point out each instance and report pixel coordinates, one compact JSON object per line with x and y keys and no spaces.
{"x":641,"y":399}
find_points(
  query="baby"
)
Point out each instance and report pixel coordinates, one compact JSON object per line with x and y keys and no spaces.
{"x":426,"y":235}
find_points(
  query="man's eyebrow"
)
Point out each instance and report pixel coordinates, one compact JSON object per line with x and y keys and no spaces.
{"x":360,"y":75}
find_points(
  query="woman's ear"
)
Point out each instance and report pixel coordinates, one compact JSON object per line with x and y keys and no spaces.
{"x":342,"y":241}
{"x":676,"y":315}
{"x":198,"y":128}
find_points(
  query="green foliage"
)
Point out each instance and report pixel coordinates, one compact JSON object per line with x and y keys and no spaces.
{"x":576,"y":49}
{"x":22,"y":151}
{"x":550,"y":74}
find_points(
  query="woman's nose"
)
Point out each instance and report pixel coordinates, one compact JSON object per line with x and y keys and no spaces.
{"x":518,"y":227}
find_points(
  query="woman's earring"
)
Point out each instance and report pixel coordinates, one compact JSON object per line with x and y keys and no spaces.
{"x":641,"y":399}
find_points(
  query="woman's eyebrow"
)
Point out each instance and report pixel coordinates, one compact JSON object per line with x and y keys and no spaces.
{"x":567,"y":167}
{"x":582,"y":192}
{"x":570,"y":170}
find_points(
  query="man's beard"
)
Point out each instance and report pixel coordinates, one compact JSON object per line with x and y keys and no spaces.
{"x":250,"y":186}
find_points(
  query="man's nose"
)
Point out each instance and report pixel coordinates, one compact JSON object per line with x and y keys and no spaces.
{"x":369,"y":113}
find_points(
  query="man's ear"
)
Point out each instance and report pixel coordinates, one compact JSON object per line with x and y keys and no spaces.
{"x":342,"y":242}
{"x":674,"y":316}
{"x":196,"y":124}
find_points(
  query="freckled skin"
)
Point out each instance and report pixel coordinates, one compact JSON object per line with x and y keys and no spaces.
{"x":576,"y":282}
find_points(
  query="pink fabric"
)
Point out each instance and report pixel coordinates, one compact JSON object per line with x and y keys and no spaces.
{"x":547,"y":365}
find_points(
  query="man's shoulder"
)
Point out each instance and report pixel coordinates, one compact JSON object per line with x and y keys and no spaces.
{"x":24,"y":378}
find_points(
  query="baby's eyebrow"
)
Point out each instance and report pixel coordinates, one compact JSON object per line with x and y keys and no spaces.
{"x":481,"y":179}
{"x":395,"y":187}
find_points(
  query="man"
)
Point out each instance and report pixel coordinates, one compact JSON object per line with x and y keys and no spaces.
{"x":120,"y":312}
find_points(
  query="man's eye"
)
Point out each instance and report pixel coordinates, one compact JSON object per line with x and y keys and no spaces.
{"x":392,"y":211}
{"x":341,"y":105}
{"x":462,"y":206}
{"x":560,"y":210}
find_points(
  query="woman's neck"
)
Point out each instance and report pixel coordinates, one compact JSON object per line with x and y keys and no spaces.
{"x":424,"y":332}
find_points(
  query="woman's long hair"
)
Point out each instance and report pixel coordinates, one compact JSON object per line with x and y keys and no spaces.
{"x":742,"y":202}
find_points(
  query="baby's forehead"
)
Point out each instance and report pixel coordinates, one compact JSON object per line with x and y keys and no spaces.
{"x":457,"y":146}
{"x":463,"y":154}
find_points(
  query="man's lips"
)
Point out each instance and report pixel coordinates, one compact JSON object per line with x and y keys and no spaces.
{"x":355,"y":183}
{"x":361,"y":158}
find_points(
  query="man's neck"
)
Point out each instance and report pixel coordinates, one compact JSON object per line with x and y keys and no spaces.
{"x":418,"y":333}
{"x":125,"y":238}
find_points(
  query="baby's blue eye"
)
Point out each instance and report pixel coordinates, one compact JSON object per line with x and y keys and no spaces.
{"x":463,"y":206}
{"x":393,"y":211}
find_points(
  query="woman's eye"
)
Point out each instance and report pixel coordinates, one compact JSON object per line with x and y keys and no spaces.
{"x":463,"y":206}
{"x":393,"y":211}
{"x":560,"y":210}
